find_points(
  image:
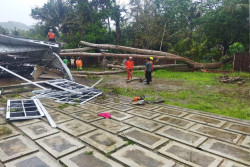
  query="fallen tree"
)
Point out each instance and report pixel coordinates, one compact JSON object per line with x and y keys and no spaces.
{"x":97,"y":73}
{"x":77,"y":50}
{"x":149,"y":53}
{"x":110,"y":55}
{"x":143,"y":67}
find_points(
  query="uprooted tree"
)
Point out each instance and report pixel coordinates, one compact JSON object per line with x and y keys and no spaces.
{"x":142,"y":53}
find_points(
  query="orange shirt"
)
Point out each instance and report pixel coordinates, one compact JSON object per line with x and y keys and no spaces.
{"x":129,"y":64}
{"x":78,"y":63}
{"x":152,"y":64}
{"x":51,"y":35}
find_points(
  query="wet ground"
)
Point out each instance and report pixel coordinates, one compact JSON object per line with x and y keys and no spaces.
{"x":152,"y":135}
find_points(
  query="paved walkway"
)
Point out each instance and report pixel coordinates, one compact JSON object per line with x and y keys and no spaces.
{"x":144,"y":136}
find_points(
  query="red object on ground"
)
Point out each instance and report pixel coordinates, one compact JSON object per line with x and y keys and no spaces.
{"x":105,"y":115}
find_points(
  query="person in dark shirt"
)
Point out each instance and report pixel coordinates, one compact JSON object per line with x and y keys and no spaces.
{"x":148,"y":71}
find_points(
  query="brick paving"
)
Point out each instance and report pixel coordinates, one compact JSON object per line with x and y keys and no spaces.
{"x":137,"y":136}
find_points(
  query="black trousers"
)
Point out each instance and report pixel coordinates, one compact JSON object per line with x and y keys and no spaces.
{"x":148,"y":76}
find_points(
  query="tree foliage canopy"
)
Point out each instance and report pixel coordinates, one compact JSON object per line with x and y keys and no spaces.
{"x":200,"y":30}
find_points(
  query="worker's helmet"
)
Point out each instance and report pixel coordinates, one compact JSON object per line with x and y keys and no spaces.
{"x":151,"y":58}
{"x":130,"y":57}
{"x":50,"y":30}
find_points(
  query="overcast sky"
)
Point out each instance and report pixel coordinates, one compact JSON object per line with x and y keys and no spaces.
{"x":19,"y":10}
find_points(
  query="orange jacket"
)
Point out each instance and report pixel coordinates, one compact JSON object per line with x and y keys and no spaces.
{"x":129,"y":64}
{"x":152,"y":64}
{"x":78,"y":63}
{"x":51,"y":35}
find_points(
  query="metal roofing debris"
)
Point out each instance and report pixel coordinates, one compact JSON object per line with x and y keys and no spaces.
{"x":23,"y":109}
{"x":22,"y":77}
{"x":51,"y":121}
{"x":71,"y":92}
{"x":38,"y":52}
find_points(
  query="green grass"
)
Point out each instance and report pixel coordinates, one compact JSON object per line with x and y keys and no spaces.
{"x":89,"y":153}
{"x":200,"y":91}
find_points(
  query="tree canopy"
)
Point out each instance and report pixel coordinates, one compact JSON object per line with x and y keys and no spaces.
{"x":201,"y":30}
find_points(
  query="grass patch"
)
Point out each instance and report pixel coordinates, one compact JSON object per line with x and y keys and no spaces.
{"x":63,"y":106}
{"x":107,"y":154}
{"x":89,"y":153}
{"x":200,"y":91}
{"x":4,"y":131}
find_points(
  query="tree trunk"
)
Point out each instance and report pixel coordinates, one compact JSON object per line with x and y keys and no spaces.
{"x":168,"y":56}
{"x":97,"y":73}
{"x":77,"y":50}
{"x":143,"y":67}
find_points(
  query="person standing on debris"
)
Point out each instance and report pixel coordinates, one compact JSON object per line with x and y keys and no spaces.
{"x":148,"y":71}
{"x":51,"y":36}
{"x":151,"y":61}
{"x":79,"y":64}
{"x":66,"y":61}
{"x":72,"y":62}
{"x":129,"y":67}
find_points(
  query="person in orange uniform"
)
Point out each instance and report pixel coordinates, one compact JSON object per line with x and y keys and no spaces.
{"x":129,"y":67}
{"x":151,"y":61}
{"x":51,"y":36}
{"x":79,"y":64}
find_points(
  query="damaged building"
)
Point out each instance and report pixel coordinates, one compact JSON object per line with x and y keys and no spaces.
{"x":24,"y":56}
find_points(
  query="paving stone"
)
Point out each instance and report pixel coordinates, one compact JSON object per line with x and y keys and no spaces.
{"x":111,"y":125}
{"x":134,"y":155}
{"x":7,"y":131}
{"x":148,"y":106}
{"x":119,"y":116}
{"x":76,"y":127}
{"x":15,"y":147}
{"x":70,"y":109}
{"x":238,"y":128}
{"x":178,"y":165}
{"x":227,"y":163}
{"x":144,"y":113}
{"x":180,"y":123}
{"x":86,"y":116}
{"x":34,"y":160}
{"x":226,"y":150}
{"x":216,"y":133}
{"x":50,"y":110}
{"x":88,"y":157}
{"x":172,"y":112}
{"x":59,"y":117}
{"x":2,"y":121}
{"x":183,"y":136}
{"x":145,"y":124}
{"x":38,"y":130}
{"x":120,"y":106}
{"x":189,"y":155}
{"x":144,"y":138}
{"x":99,"y":101}
{"x":103,"y":141}
{"x":51,"y":104}
{"x":59,"y":144}
{"x":205,"y":120}
{"x":93,"y":107}
{"x":26,"y":94}
{"x":20,"y":123}
{"x":246,"y":142}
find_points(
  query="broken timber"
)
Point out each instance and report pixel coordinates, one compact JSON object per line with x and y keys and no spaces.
{"x":97,"y":73}
{"x":155,"y":66}
{"x":168,"y":56}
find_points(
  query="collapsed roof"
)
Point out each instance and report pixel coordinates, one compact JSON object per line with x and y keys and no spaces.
{"x":37,"y":52}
